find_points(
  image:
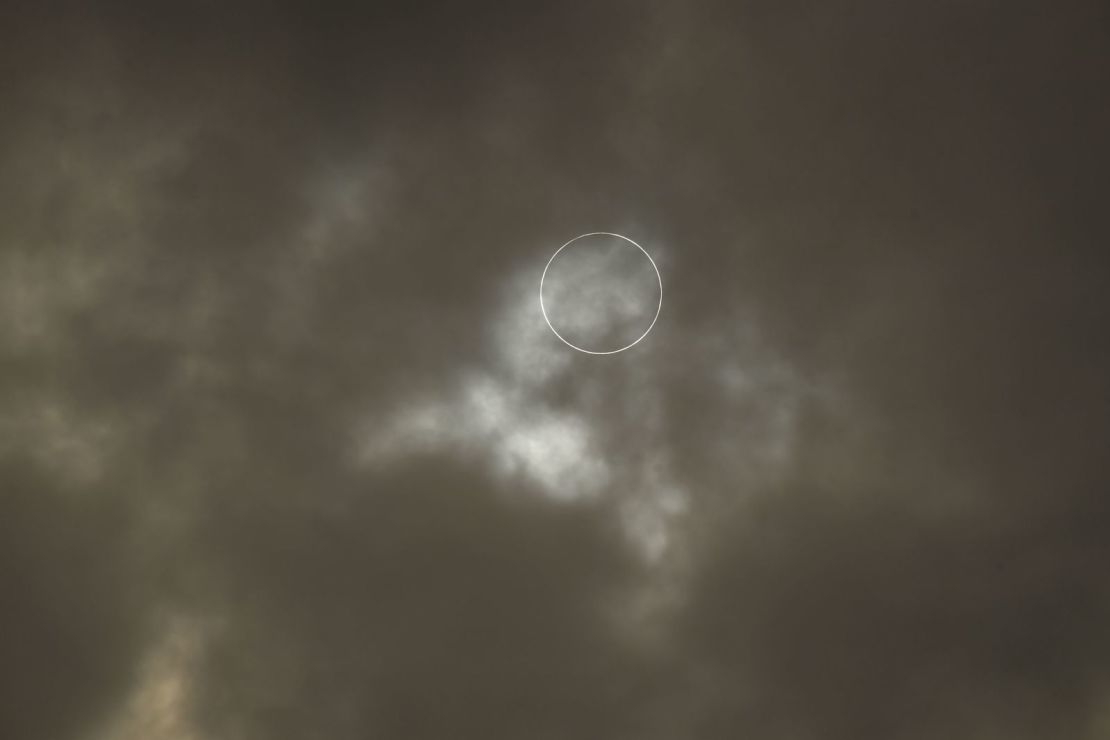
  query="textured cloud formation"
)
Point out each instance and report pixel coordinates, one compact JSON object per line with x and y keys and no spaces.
{"x":600,"y":293}
{"x":287,"y":450}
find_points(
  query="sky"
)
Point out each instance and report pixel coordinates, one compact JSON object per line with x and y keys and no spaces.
{"x":288,"y":451}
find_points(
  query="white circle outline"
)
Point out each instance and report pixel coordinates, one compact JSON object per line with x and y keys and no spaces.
{"x":658,"y":278}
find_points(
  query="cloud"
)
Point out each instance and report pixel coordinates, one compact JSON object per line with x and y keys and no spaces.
{"x":286,"y":449}
{"x":423,"y":601}
{"x":74,"y":589}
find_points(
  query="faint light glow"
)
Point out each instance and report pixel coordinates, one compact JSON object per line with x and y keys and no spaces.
{"x":625,"y":300}
{"x":515,"y":417}
{"x":549,"y":448}
{"x":158,"y":708}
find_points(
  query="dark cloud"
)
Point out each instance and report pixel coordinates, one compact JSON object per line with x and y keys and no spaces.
{"x":831,"y":616}
{"x":73,"y":595}
{"x":424,"y":602}
{"x":288,"y":451}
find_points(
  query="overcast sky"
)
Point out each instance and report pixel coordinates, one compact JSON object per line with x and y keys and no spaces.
{"x":288,"y":452}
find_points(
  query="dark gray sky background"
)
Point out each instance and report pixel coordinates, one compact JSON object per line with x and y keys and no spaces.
{"x":287,"y":451}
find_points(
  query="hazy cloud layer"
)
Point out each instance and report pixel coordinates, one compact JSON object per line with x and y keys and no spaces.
{"x":287,"y":450}
{"x":601,"y":293}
